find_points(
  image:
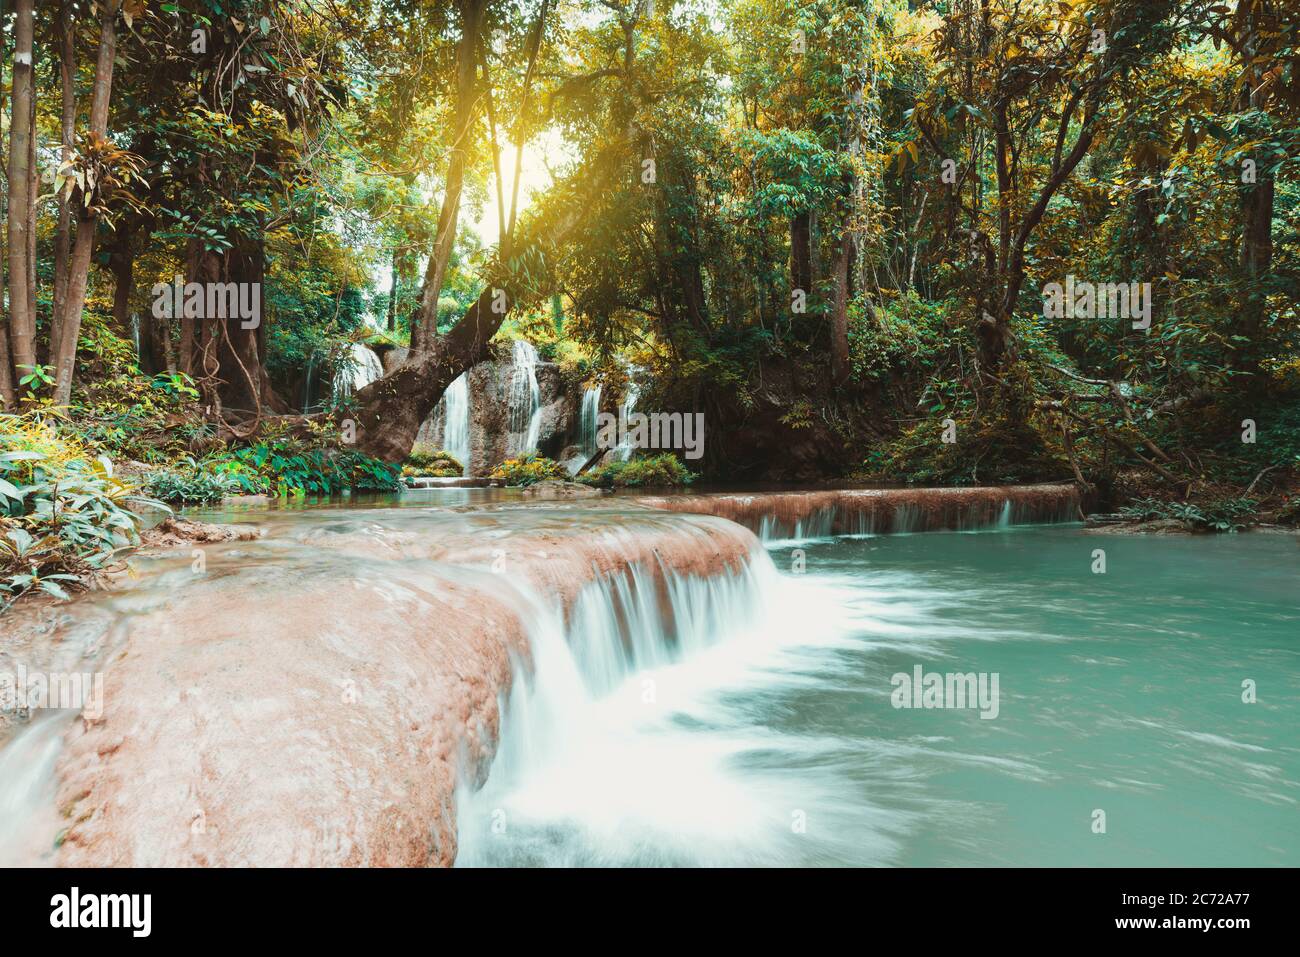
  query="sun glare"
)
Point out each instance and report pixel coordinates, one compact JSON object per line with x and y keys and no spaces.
{"x":543,"y":161}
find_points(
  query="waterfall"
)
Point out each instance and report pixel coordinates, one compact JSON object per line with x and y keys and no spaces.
{"x":587,"y":420}
{"x":781,"y":518}
{"x":618,"y":744}
{"x":361,"y":368}
{"x":624,"y":450}
{"x":455,"y":420}
{"x":525,"y":400}
{"x":135,"y":335}
{"x":307,"y":383}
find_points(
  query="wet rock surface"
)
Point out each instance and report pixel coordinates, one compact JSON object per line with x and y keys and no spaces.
{"x":856,"y":511}
{"x":316,"y":696}
{"x":174,"y":531}
{"x":554,"y":489}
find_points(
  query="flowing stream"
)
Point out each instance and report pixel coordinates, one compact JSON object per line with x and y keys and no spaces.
{"x":764,"y":732}
{"x":747,"y":718}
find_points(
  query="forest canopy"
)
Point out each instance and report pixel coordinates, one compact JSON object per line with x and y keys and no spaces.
{"x":1063,"y":231}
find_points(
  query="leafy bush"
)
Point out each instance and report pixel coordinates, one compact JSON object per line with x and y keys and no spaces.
{"x":651,"y":471}
{"x":528,"y":470}
{"x":63,"y":518}
{"x":1223,"y":515}
{"x":427,"y":461}
{"x":1289,"y":513}
{"x":190,"y":484}
{"x":149,"y":420}
{"x":289,"y":466}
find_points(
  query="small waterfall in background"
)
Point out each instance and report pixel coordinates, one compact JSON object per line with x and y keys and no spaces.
{"x":135,"y":335}
{"x":625,"y":448}
{"x":455,"y":420}
{"x":361,"y":368}
{"x":525,"y":400}
{"x":587,"y":420}
{"x":307,"y":383}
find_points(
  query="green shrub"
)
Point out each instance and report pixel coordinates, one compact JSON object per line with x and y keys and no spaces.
{"x":1222,"y":515}
{"x":190,"y":484}
{"x":63,"y":518}
{"x":288,"y":466}
{"x":428,"y":461}
{"x":528,"y":470}
{"x":649,"y":472}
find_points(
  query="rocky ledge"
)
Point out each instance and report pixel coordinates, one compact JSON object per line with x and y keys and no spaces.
{"x":314,"y":698}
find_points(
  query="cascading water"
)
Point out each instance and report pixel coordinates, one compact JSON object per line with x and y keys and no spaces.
{"x":620,"y":745}
{"x":525,"y":400}
{"x":361,"y":368}
{"x":455,"y":420}
{"x":308,"y":383}
{"x":623,"y":451}
{"x":587,"y":419}
{"x":736,"y":712}
{"x":135,"y":335}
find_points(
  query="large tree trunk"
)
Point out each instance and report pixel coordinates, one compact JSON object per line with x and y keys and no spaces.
{"x":63,"y":233}
{"x":230,"y":369}
{"x":22,"y":319}
{"x":68,"y":329}
{"x":425,"y":329}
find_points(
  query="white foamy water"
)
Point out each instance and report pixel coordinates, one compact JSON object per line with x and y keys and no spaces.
{"x":362,"y":368}
{"x":587,"y":419}
{"x":455,"y":420}
{"x":27,"y":789}
{"x":634,"y":739}
{"x":525,"y":401}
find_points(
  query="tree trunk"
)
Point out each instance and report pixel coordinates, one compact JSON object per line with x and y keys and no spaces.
{"x":801,"y":276}
{"x":22,"y":320}
{"x":392,"y":296}
{"x":64,"y":351}
{"x":33,"y":184}
{"x":63,"y":233}
{"x":840,"y":312}
{"x":188,"y":360}
{"x":425,"y":329}
{"x":230,"y":370}
{"x":122,"y":264}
